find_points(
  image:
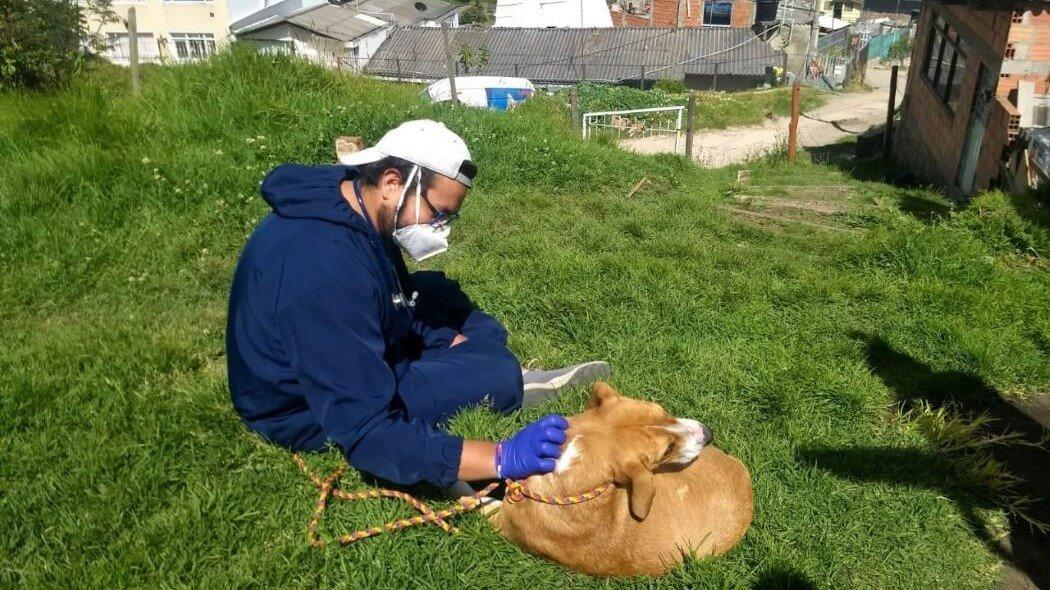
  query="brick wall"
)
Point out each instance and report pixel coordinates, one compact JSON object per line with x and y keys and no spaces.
{"x":743,"y":14}
{"x":684,"y":13}
{"x":1028,"y":40}
{"x":931,"y":137}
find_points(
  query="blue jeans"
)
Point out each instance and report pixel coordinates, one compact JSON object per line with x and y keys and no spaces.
{"x":445,"y":380}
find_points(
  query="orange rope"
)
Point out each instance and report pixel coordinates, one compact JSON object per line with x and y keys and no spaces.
{"x":516,"y":492}
{"x":327,"y":489}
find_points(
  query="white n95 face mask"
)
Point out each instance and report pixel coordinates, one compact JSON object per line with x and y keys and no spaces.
{"x":420,"y":240}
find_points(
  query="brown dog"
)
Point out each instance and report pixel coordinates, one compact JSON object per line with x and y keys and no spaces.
{"x":672,"y":496}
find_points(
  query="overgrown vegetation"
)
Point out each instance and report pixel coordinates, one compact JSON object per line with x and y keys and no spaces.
{"x":42,"y":41}
{"x":124,"y":464}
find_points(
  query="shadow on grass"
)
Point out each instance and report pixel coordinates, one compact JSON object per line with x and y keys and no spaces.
{"x":779,"y":578}
{"x":1034,"y":207}
{"x":915,"y":383}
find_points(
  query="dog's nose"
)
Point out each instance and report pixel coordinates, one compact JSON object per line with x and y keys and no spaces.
{"x":705,"y":434}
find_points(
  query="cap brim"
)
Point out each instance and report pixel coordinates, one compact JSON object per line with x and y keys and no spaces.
{"x":365,"y":156}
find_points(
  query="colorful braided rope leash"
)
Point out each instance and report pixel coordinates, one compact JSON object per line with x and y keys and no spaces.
{"x":516,"y":492}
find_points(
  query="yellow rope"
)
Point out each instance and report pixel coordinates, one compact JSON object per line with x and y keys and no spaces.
{"x":516,"y":492}
{"x":327,"y":490}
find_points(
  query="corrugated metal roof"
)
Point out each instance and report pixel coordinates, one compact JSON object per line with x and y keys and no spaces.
{"x":270,"y":15}
{"x":336,"y":22}
{"x":571,"y":55}
{"x":344,"y":22}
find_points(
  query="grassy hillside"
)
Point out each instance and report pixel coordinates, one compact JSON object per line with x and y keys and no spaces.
{"x":125,"y":465}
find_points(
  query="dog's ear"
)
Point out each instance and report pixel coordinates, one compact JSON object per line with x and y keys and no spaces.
{"x":601,"y":392}
{"x":641,"y":488}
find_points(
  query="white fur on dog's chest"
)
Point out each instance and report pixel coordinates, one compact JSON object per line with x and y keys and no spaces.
{"x":567,"y":456}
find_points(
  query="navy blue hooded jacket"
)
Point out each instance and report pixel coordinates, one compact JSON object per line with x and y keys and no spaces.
{"x":317,"y":348}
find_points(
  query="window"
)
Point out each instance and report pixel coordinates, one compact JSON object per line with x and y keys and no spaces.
{"x":945,"y":62}
{"x":193,"y":46}
{"x":1041,"y":111}
{"x":836,"y":10}
{"x":717,"y":13}
{"x":119,"y":47}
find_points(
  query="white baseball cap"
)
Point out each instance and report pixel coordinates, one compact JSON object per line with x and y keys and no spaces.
{"x":423,"y":142}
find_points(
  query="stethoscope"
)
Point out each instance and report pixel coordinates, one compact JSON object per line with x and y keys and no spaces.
{"x":399,"y":299}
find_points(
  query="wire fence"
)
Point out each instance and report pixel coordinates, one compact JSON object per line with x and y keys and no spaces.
{"x":720,"y":72}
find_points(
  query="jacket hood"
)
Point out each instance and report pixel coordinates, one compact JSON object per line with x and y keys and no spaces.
{"x":311,"y":192}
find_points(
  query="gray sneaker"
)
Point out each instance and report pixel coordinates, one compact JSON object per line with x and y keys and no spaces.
{"x":458,"y":490}
{"x":540,"y":385}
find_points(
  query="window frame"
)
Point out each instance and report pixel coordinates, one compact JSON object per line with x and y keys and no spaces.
{"x":712,"y":3}
{"x":945,"y":82}
{"x":207,"y":40}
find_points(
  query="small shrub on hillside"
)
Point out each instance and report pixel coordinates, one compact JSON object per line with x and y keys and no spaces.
{"x":670,"y":86}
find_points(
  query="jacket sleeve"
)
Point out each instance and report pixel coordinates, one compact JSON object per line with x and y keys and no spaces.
{"x":335,"y":345}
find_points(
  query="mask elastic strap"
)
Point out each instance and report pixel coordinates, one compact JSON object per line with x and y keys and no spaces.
{"x":419,"y":193}
{"x":404,"y":193}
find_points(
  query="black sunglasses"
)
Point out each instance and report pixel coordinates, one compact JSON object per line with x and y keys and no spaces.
{"x":441,"y":218}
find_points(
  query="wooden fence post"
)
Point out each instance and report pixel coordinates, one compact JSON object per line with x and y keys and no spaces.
{"x":796,"y":92}
{"x":397,"y":66}
{"x":714,"y":81}
{"x":887,"y":137}
{"x":449,"y":65}
{"x":690,"y":125}
{"x":574,"y":108}
{"x":133,"y":50}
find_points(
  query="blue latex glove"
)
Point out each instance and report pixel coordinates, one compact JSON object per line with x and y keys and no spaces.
{"x":534,"y":449}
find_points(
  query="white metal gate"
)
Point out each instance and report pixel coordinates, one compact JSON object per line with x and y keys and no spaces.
{"x":635,"y":123}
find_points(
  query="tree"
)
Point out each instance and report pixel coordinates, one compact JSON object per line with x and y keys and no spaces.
{"x":474,"y":58}
{"x":477,"y":13}
{"x":43,"y":42}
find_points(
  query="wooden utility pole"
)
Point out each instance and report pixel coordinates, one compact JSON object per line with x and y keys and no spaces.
{"x":796,"y":93}
{"x":574,"y":108}
{"x":690,"y":125}
{"x":887,"y":137}
{"x":449,"y":65}
{"x":133,"y":51}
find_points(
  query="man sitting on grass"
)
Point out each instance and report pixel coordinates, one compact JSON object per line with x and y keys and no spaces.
{"x":328,"y":338}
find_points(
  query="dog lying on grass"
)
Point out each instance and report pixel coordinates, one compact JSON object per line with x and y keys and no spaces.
{"x":674,"y":494}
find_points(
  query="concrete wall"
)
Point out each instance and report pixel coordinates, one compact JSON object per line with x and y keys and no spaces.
{"x":159,"y":19}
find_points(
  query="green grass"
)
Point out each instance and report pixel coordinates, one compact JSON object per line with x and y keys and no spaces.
{"x":123,"y":463}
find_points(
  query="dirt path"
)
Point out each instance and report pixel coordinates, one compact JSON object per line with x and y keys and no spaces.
{"x":844,"y":115}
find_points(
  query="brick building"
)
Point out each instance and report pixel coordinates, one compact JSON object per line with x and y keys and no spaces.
{"x":739,"y":14}
{"x":977,"y":69}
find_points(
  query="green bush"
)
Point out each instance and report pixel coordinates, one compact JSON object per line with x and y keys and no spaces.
{"x":39,"y":42}
{"x":477,"y":12}
{"x":670,"y":86}
{"x":603,"y":97}
{"x":42,"y":41}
